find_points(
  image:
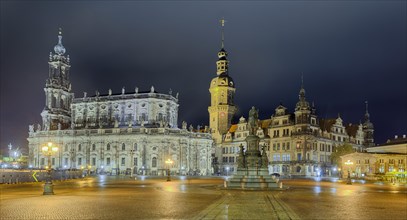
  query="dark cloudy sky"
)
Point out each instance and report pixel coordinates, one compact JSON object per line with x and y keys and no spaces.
{"x":348,"y":51}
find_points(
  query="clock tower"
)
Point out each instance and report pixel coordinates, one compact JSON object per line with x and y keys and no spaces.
{"x":222,"y":90}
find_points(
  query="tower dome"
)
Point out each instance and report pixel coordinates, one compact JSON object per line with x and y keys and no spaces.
{"x":222,"y":53}
{"x":59,"y":48}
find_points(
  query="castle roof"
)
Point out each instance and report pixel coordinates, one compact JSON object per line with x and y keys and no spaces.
{"x":326,"y":123}
{"x":352,"y":129}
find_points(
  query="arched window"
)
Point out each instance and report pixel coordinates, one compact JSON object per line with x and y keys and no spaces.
{"x":53,"y":101}
{"x":108,"y":147}
{"x":154,"y":162}
{"x":135,"y":146}
{"x":79,"y":147}
{"x":61,"y":103}
{"x":123,"y":146}
{"x":93,"y":147}
{"x":66,"y":148}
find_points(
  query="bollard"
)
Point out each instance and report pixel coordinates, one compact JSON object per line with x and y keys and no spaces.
{"x":281,"y":185}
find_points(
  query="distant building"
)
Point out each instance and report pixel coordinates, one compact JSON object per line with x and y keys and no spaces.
{"x":375,"y":166}
{"x":396,"y":145}
{"x":115,"y":132}
{"x":384,"y":162}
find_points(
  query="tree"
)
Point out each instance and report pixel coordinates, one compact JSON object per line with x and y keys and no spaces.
{"x":340,"y":151}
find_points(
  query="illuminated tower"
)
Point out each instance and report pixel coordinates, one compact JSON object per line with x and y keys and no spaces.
{"x":222,"y":89}
{"x":58,"y":96}
{"x":368,"y":129}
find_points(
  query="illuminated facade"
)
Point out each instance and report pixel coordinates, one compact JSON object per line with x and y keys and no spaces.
{"x":302,"y":144}
{"x":115,"y":133}
{"x":386,"y":161}
{"x":298,"y":143}
{"x":222,"y":90}
{"x":375,"y":166}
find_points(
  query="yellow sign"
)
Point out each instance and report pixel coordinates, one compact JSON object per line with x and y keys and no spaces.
{"x":35,"y":178}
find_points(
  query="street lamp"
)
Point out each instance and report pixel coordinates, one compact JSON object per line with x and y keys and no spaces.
{"x":131,"y":163}
{"x":349,"y":163}
{"x":89,"y":167}
{"x":48,"y":150}
{"x":168,"y":162}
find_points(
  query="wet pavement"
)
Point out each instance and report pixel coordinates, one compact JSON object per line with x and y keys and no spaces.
{"x":106,"y":197}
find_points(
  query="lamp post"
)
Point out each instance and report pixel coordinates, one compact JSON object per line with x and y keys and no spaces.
{"x":168,"y":162}
{"x":349,"y":163}
{"x":89,"y":167}
{"x":48,"y":150}
{"x":131,"y":163}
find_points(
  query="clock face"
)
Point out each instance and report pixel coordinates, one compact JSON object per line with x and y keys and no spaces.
{"x":222,"y":114}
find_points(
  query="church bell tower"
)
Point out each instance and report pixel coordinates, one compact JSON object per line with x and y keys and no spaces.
{"x":58,"y":97}
{"x":368,"y":130}
{"x":222,"y":90}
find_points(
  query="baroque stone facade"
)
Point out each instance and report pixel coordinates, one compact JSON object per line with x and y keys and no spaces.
{"x":134,"y":131}
{"x":298,"y":143}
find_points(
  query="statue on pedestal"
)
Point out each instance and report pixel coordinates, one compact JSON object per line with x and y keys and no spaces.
{"x":253,"y":119}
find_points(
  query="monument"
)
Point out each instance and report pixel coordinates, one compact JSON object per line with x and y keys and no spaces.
{"x":252,"y":169}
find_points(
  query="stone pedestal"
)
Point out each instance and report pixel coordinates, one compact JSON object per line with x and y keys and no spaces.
{"x":252,"y":171}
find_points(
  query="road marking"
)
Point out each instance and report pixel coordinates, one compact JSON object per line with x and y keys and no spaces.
{"x":35,"y":178}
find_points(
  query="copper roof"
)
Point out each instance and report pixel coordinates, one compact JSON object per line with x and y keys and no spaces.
{"x":233,"y":128}
{"x":326,"y":123}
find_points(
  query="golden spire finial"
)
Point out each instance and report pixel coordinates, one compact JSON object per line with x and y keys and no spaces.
{"x":222,"y":23}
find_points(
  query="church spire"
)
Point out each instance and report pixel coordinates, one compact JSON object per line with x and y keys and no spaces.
{"x":367,"y":116}
{"x":368,"y":129}
{"x":56,"y":113}
{"x":222,"y":64}
{"x":302,"y":103}
{"x":302,"y":90}
{"x":59,"y":48}
{"x":222,"y":23}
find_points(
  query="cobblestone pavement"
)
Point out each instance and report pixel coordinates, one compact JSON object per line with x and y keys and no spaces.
{"x":248,"y":205}
{"x":201,"y":198}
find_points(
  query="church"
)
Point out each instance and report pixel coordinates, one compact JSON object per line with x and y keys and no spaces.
{"x":298,"y":143}
{"x":128,"y":132}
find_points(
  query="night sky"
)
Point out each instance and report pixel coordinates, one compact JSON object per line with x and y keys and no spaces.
{"x":348,"y":52}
